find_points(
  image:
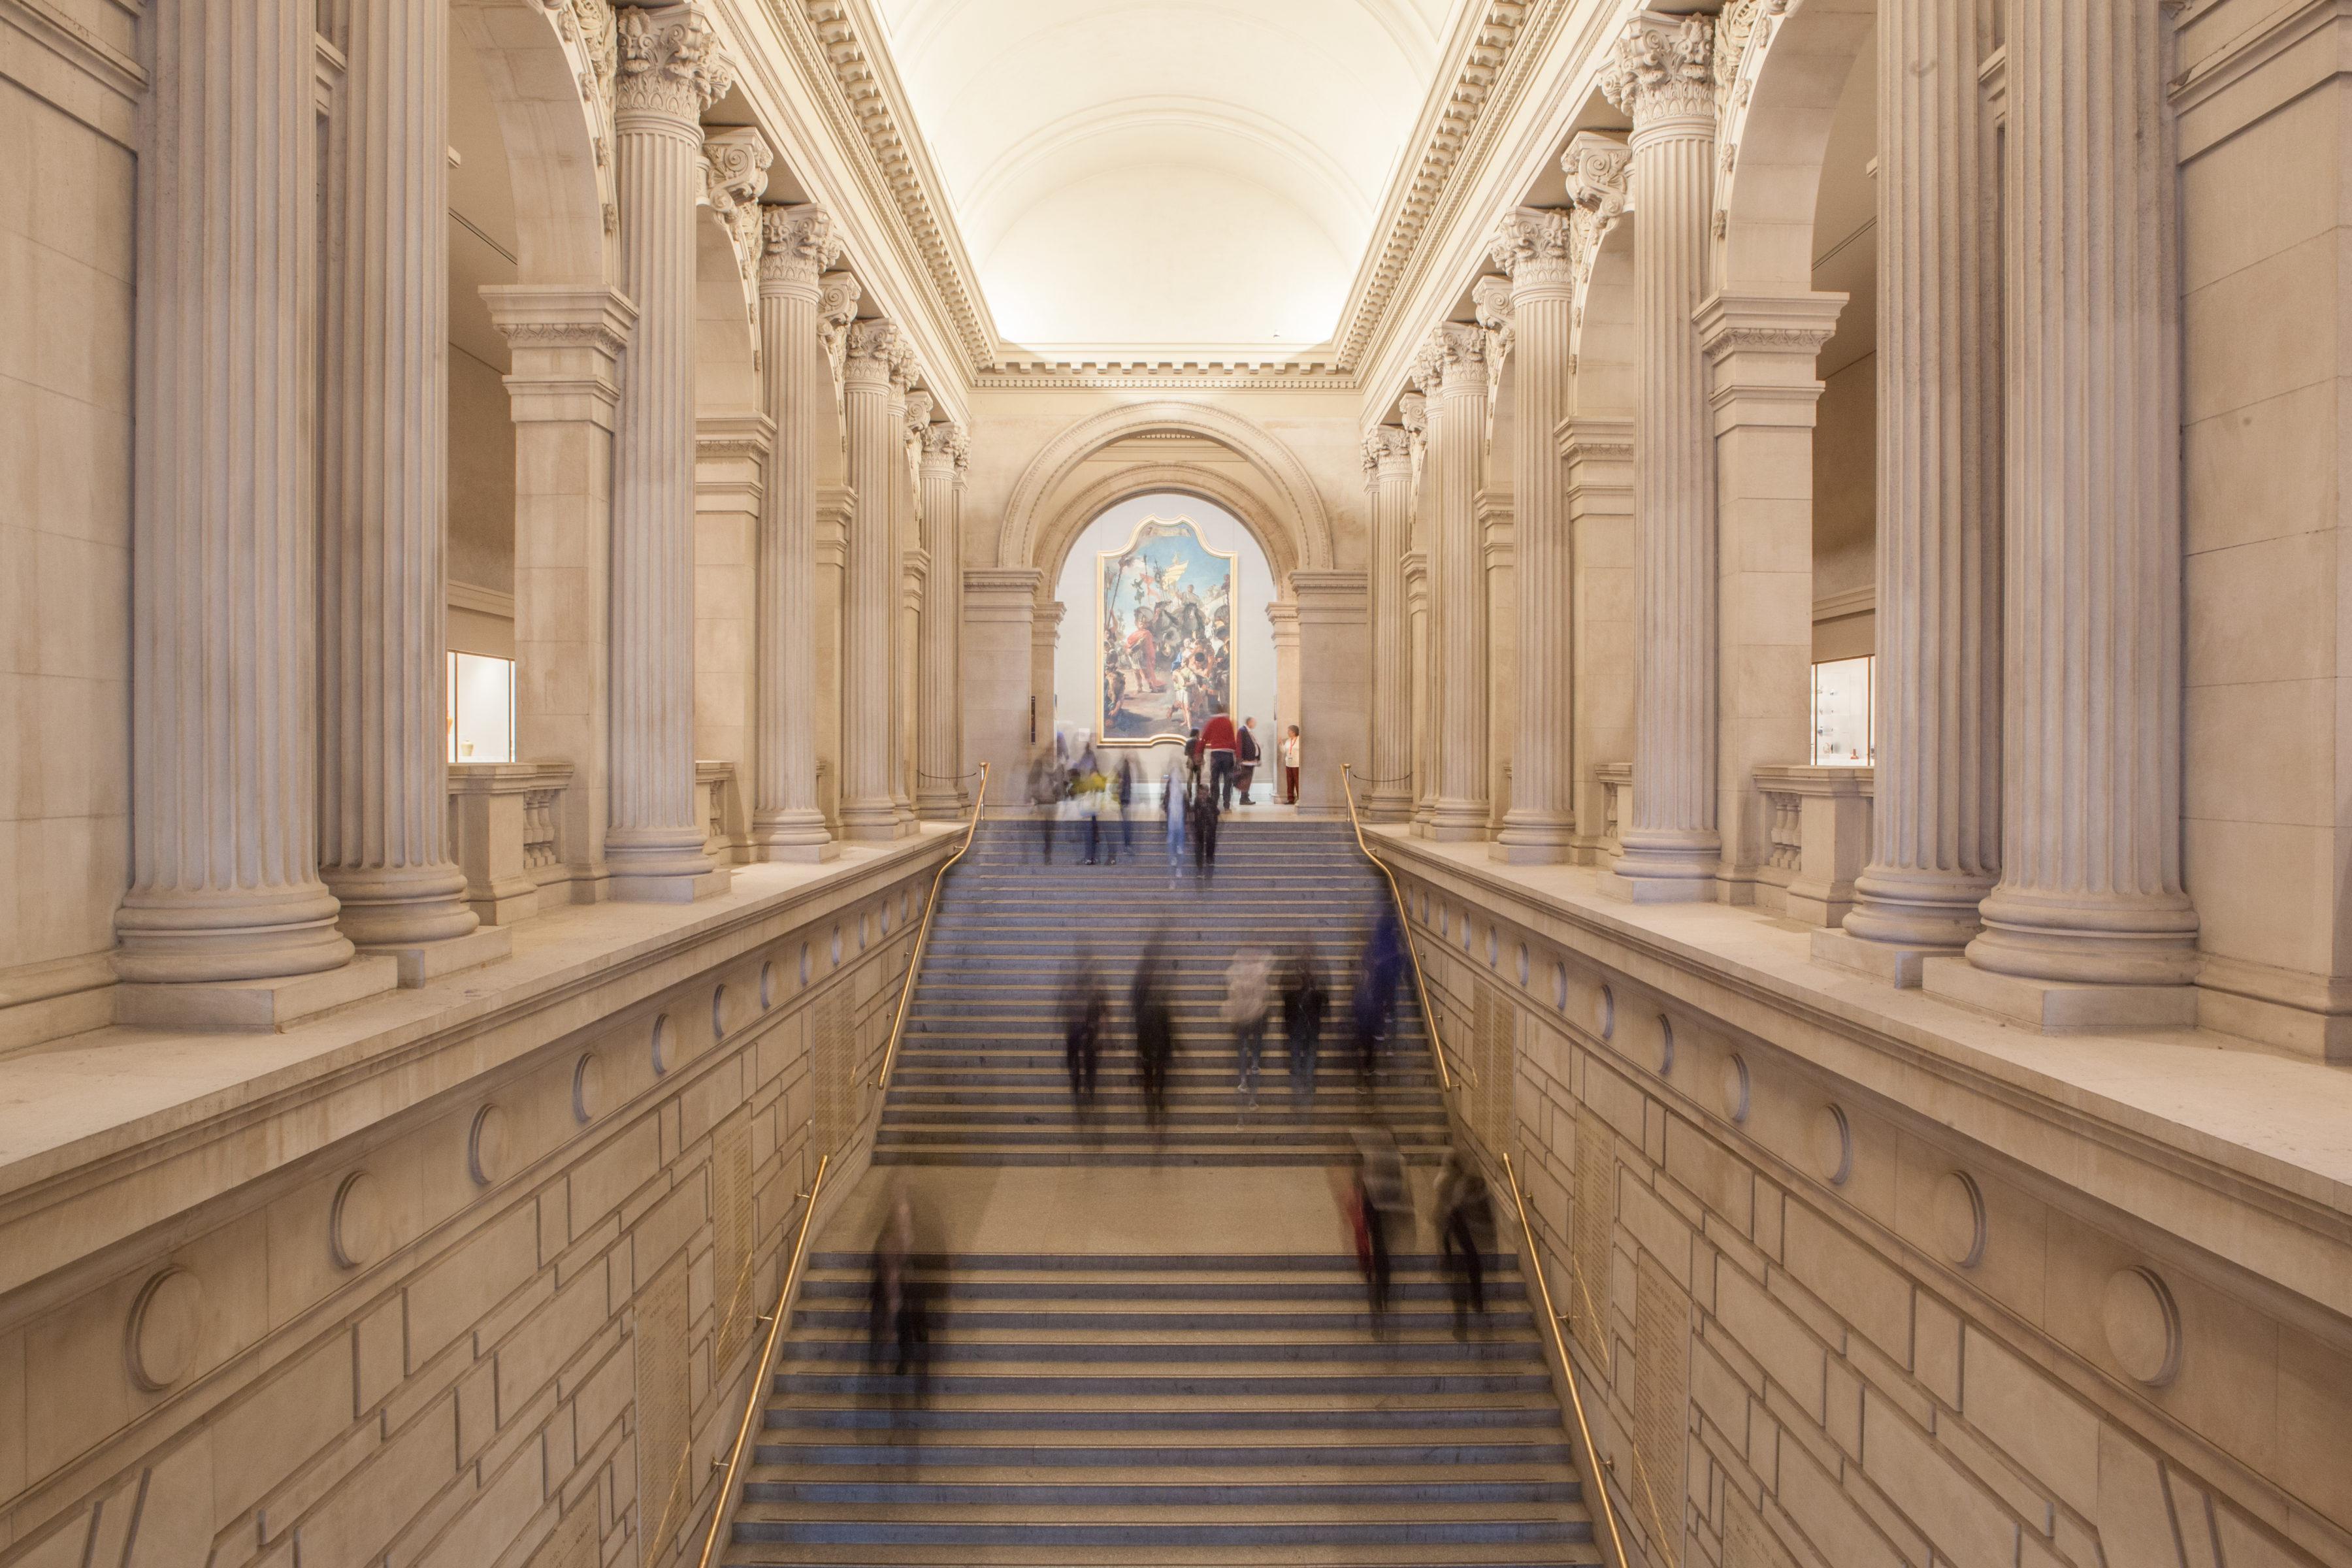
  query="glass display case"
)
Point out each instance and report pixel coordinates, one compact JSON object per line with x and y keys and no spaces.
{"x":1842,"y":712}
{"x":481,"y":709}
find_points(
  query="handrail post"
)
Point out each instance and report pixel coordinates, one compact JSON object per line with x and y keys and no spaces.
{"x":760,"y":1368}
{"x":1593,"y":1467}
{"x":1404,"y":924}
{"x":923,"y":936}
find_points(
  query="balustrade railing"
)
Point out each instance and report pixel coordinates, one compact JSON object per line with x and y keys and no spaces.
{"x":506,"y":834}
{"x":1818,"y":836}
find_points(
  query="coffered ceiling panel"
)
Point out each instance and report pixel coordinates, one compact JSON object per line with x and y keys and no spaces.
{"x":1166,"y":172}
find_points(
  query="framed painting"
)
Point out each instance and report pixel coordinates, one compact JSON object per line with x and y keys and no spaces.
{"x":1164,"y":634}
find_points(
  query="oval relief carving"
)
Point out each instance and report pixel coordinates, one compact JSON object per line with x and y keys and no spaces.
{"x":357,"y":1228}
{"x":587,"y":1088}
{"x":1735,"y":1087}
{"x":1604,"y":1013}
{"x":166,"y":1321}
{"x":1666,"y":1045}
{"x":2143,"y":1325}
{"x":485,"y":1146}
{"x":1833,"y":1141}
{"x":1961,"y":1219}
{"x":665,"y":1044}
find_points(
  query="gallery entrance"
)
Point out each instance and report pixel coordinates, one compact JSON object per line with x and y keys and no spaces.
{"x":1168,"y":611}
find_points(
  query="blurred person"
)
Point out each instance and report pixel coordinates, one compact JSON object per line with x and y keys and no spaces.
{"x":1173,"y":801}
{"x":1205,"y":833}
{"x":1155,"y":1030}
{"x":1122,"y":798}
{"x":1377,"y":977}
{"x":1246,"y":757}
{"x":1217,"y":745}
{"x":1304,"y":1002}
{"x":1290,"y":754}
{"x":1046,"y":797}
{"x":1088,"y":790}
{"x":1466,"y":1227}
{"x":898,"y":1333}
{"x":1245,"y":1015}
{"x":1082,"y":1040}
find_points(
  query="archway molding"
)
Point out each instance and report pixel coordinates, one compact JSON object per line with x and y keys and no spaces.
{"x":533,"y":59}
{"x":1282,"y":508}
{"x":1792,"y":72}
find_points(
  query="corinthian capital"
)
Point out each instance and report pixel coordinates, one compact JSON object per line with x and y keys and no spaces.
{"x":1412,"y":412}
{"x":945,"y":440}
{"x":1534,"y":245}
{"x":797,"y":243}
{"x":671,"y":62}
{"x":906,"y":365}
{"x":1600,"y":174}
{"x":871,"y":348}
{"x":1461,"y":353}
{"x":1663,"y":68}
{"x":919,"y":414}
{"x":1428,"y":368}
{"x":1386,"y":445}
{"x":734,"y":168}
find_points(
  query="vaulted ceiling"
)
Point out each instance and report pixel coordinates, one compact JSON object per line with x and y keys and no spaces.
{"x":1186,"y":174}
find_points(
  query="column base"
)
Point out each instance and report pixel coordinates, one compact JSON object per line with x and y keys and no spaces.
{"x":945,"y":807}
{"x":1892,"y":963}
{"x":1665,"y":868}
{"x":252,"y":1006}
{"x":422,"y":963}
{"x":400,"y":907}
{"x":660,"y":866}
{"x":667,"y":887}
{"x":1459,"y":821}
{"x":874,"y":822}
{"x":2058,"y":1006}
{"x":1529,"y":838}
{"x":1614,"y":884}
{"x":796,"y":837}
{"x":795,"y":853}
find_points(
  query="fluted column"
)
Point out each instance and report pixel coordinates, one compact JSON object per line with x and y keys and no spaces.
{"x":1936,"y":817}
{"x":907,"y":571}
{"x":798,"y":244}
{"x":1456,"y":354}
{"x":938,"y":671}
{"x":671,"y":70}
{"x":1661,"y":76}
{"x":869,"y":590}
{"x":1045,"y":638}
{"x":225,"y":869}
{"x":1412,"y":414}
{"x":1388,"y":463}
{"x":2089,"y":924}
{"x":384,"y":809}
{"x":1533,"y":246}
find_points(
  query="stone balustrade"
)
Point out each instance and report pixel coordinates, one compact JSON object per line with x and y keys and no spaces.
{"x":506,"y":834}
{"x":1616,"y":781}
{"x":1817,"y":835}
{"x":719,"y":796}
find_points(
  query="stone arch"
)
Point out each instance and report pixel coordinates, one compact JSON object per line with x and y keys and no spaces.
{"x":726,"y":334}
{"x":1790,"y":74}
{"x":534,"y":58}
{"x":1072,"y":518}
{"x":1285,"y":514}
{"x":1606,"y":346}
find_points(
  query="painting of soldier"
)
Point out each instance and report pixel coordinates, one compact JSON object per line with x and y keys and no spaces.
{"x":1164,"y":611}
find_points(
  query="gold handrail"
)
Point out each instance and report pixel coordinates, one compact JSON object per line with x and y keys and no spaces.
{"x":1593,"y":1465}
{"x":759,"y":1372}
{"x":1404,"y":922}
{"x":923,"y":937}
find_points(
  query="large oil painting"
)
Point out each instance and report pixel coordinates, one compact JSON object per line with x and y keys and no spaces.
{"x":1164,"y":644}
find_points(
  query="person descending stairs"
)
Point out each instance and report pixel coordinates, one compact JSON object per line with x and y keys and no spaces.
{"x":984,"y":1073}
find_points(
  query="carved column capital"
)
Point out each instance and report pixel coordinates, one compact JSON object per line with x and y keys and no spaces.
{"x":735,"y":169}
{"x":1387,"y":447}
{"x":1458,"y":352}
{"x":1492,"y":297}
{"x":1662,"y":70}
{"x":946,"y":440}
{"x":870,"y":349}
{"x":1535,"y":246}
{"x":919,"y":414}
{"x":1600,"y":174}
{"x":670,"y":63}
{"x":796,"y":245}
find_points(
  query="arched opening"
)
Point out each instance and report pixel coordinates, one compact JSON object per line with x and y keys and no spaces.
{"x":1145,"y":694}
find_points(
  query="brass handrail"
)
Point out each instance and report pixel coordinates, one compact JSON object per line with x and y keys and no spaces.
{"x":759,"y":1372}
{"x":923,"y":937}
{"x":1593,"y":1464}
{"x":1404,"y":922}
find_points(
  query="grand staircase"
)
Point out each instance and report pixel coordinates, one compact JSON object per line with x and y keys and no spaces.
{"x":1218,"y":1405}
{"x":1165,"y":1409}
{"x":980,"y":1077}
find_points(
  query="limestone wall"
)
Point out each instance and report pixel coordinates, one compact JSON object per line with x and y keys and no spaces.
{"x":508,"y":1321}
{"x":1854,"y":1294}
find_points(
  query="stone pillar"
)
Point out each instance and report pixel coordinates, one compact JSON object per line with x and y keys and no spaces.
{"x":1333,"y":684}
{"x":670,"y":71}
{"x":1533,"y":246}
{"x":1661,"y":76}
{"x":1045,"y":636}
{"x":734,"y":454}
{"x":2089,"y":926}
{"x":1597,"y":454}
{"x":911,"y":409}
{"x":999,"y":605}
{"x":1412,"y":415}
{"x":869,"y":594}
{"x":836,"y":510}
{"x":1455,"y":360}
{"x":565,"y":345}
{"x":1283,"y":616}
{"x":1388,"y":462}
{"x":384,"y":466}
{"x":1762,"y":349}
{"x":798,"y":244}
{"x":1935,"y":821}
{"x":939,"y":661}
{"x":226,"y":921}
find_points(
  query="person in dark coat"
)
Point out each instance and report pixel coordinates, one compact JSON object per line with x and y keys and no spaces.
{"x":1155,"y":1032}
{"x":1304,"y":1002}
{"x":1246,"y":758}
{"x":1466,"y":1227}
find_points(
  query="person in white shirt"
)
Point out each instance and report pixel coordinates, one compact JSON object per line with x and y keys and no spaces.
{"x":1246,"y":985}
{"x":1290,"y":766}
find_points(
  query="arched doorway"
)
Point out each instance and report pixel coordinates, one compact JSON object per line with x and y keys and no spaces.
{"x":1259,"y":658}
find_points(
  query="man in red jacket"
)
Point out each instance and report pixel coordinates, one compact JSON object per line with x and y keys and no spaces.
{"x":1217,"y":743}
